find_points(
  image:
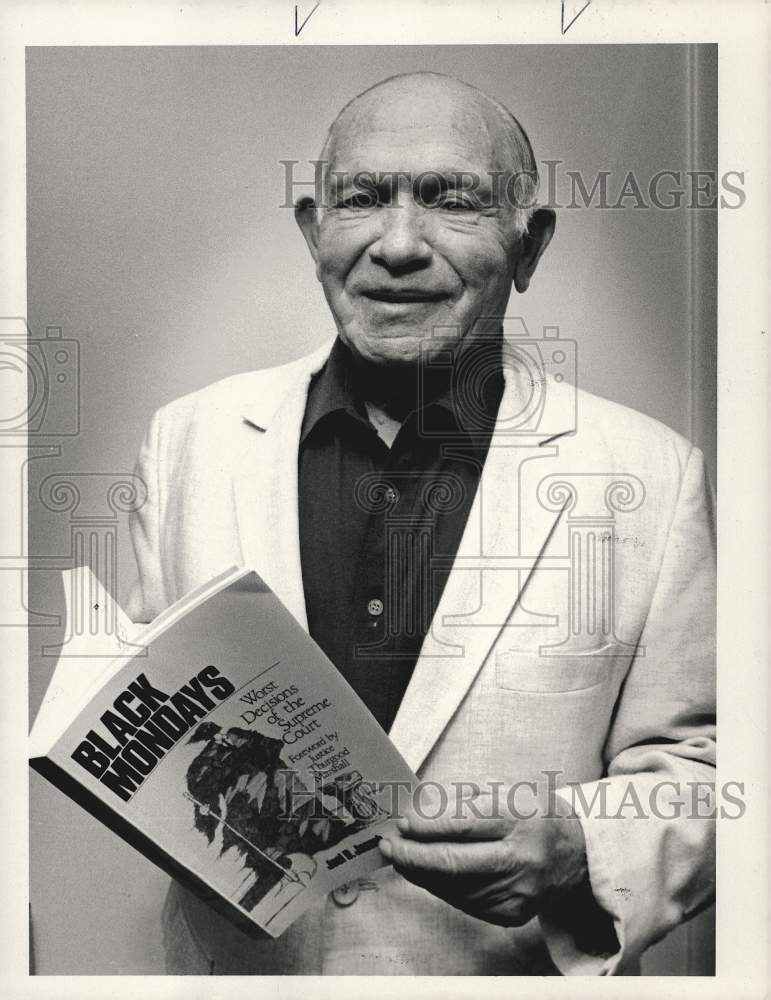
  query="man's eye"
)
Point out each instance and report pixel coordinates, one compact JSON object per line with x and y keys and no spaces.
{"x":455,"y":205}
{"x":360,"y":200}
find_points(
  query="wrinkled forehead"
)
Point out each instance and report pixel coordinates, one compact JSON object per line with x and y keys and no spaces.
{"x":391,"y":130}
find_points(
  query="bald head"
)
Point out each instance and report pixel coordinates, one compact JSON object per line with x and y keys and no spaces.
{"x":426,"y":220}
{"x":412,"y":103}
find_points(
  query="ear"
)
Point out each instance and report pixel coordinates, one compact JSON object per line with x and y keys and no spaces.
{"x":540,"y":230}
{"x":307,"y":218}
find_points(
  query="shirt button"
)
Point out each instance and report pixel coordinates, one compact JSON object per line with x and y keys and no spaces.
{"x":391,"y":495}
{"x":346,"y":894}
{"x":375,"y":607}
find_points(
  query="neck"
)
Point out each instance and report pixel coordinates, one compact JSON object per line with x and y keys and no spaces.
{"x":393,"y":390}
{"x":398,"y":390}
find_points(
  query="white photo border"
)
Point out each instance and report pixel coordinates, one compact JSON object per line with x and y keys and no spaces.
{"x":741,"y":30}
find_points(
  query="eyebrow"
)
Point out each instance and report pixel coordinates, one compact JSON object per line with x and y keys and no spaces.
{"x":383,"y":181}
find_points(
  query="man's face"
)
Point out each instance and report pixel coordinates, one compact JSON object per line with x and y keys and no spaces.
{"x":402,"y":254}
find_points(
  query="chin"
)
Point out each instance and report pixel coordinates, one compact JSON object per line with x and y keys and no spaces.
{"x":397,"y":347}
{"x":388,"y":353}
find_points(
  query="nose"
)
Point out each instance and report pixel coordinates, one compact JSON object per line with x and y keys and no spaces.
{"x":402,"y":242}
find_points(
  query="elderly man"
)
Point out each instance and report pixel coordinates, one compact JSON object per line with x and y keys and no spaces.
{"x":439,"y":507}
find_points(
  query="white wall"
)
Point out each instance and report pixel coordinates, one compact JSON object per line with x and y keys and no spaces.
{"x":156,"y":239}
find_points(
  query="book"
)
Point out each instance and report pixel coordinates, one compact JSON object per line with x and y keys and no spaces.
{"x":221,"y":743}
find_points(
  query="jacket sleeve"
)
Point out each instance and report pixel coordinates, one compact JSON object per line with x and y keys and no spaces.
{"x":650,"y":823}
{"x":147,"y":597}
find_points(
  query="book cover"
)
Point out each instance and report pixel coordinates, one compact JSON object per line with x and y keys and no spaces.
{"x":224,"y":745}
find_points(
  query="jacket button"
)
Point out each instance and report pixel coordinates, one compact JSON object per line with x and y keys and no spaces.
{"x":346,"y":894}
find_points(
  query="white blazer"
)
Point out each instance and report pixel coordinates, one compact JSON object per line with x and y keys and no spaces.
{"x":575,"y":635}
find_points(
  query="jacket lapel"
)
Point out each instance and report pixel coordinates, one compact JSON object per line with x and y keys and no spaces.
{"x":487,"y":578}
{"x":472,"y":611}
{"x":265,"y":493}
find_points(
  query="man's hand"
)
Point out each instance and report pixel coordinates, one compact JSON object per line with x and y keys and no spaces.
{"x":496,"y":867}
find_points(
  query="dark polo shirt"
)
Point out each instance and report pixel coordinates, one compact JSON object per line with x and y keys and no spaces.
{"x":380,"y":526}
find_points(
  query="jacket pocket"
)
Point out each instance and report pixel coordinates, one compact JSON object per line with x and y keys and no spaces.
{"x":516,"y":670}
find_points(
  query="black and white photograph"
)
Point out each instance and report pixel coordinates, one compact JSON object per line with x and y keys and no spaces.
{"x":379,"y":492}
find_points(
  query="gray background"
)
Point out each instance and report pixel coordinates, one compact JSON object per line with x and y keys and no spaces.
{"x":155,"y":238}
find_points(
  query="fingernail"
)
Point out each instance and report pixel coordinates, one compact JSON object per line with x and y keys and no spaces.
{"x":386,"y":847}
{"x":403,"y":824}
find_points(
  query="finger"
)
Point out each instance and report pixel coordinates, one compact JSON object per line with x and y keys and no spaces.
{"x":470,"y":877}
{"x":443,"y":859}
{"x":454,"y":827}
{"x":438,"y":814}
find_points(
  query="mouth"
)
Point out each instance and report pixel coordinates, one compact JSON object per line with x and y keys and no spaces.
{"x":404,"y":295}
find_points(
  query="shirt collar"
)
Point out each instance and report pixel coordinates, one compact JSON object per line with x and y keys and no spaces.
{"x":465,"y":400}
{"x":332,"y":391}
